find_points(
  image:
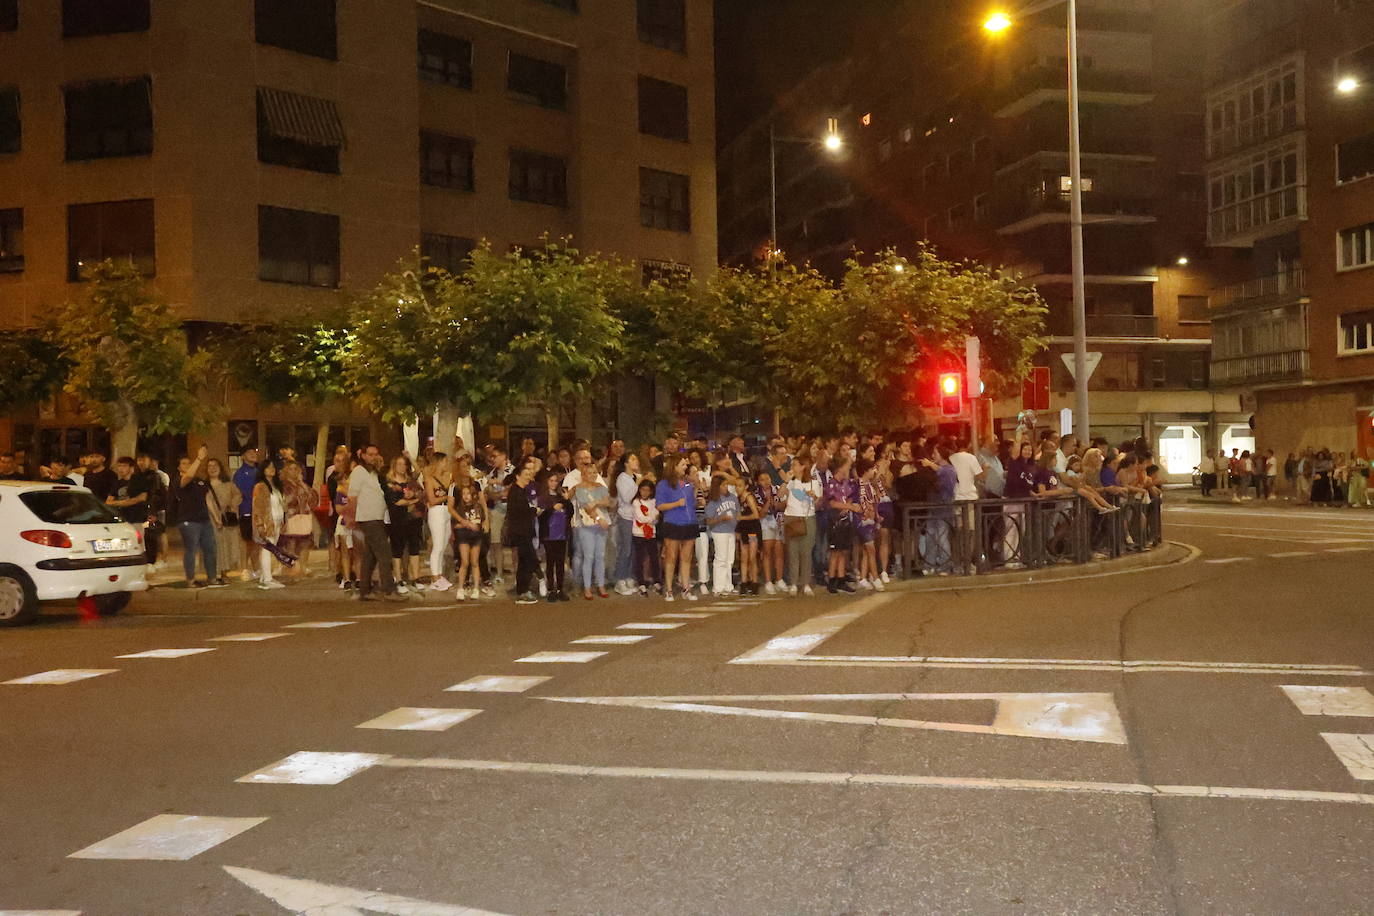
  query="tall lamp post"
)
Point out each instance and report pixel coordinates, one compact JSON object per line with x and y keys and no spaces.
{"x":1000,"y":22}
{"x":832,"y":142}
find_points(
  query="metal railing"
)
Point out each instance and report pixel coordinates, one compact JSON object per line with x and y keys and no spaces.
{"x":1290,"y":364}
{"x":1268,"y":290}
{"x":1252,"y":217}
{"x":977,"y":537}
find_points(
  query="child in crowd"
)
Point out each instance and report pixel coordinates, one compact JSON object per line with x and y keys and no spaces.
{"x":648,"y":572}
{"x":469,"y":523}
{"x":554,"y":512}
{"x":749,"y":532}
{"x":722,"y":517}
{"x":866,"y":531}
{"x":771,"y":501}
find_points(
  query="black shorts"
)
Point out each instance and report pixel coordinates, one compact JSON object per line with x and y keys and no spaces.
{"x":406,"y":536}
{"x":670,"y":532}
{"x":467,"y":536}
{"x":246,"y":528}
{"x":840,"y":533}
{"x":750,"y":531}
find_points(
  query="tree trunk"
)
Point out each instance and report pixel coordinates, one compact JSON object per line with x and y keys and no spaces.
{"x":551,"y":425}
{"x":124,"y":435}
{"x":777,"y":421}
{"x":410,"y":439}
{"x":322,"y":456}
{"x":447,"y":424}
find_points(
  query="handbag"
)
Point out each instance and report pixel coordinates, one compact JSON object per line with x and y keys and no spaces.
{"x":299,"y":526}
{"x":794,"y":526}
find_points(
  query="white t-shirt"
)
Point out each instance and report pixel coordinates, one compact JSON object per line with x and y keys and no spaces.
{"x":365,"y":492}
{"x":968,"y":469}
{"x":801,"y":498}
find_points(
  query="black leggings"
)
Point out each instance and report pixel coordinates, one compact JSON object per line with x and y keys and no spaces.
{"x":526,"y":564}
{"x":555,"y":563}
{"x":646,"y":553}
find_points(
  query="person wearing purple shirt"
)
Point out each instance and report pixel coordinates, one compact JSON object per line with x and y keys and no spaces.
{"x":842,"y":502}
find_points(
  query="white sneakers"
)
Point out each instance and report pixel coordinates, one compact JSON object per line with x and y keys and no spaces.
{"x":768,"y":588}
{"x":791,"y":590}
{"x":271,"y":583}
{"x":668,"y":593}
{"x":440,"y":585}
{"x":808,"y":592}
{"x":878,"y":585}
{"x":863,"y":584}
{"x":884,"y":578}
{"x":691,"y":596}
{"x":624,"y":587}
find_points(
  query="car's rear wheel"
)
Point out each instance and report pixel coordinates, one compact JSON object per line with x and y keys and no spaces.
{"x":18,"y":603}
{"x":109,"y":605}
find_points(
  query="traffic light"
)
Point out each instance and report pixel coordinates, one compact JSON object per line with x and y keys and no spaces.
{"x":951,"y":394}
{"x":1035,"y":390}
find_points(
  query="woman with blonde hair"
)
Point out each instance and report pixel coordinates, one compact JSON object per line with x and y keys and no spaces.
{"x":436,"y":480}
{"x":224,"y":506}
{"x":299,"y":528}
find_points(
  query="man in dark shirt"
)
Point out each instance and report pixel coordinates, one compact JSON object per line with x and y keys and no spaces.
{"x":193,"y":520}
{"x":130,"y":493}
{"x":99,"y":479}
{"x":9,"y":470}
{"x":520,"y":529}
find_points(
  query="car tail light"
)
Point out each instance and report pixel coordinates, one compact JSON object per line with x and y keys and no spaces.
{"x":139,"y":532}
{"x":47,"y":538}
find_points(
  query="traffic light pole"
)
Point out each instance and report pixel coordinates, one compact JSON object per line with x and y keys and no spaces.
{"x":1080,"y":318}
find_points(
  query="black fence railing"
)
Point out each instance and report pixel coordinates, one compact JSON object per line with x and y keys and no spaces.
{"x":987,"y":535}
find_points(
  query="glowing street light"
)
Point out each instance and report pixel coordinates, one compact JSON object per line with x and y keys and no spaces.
{"x":833,"y":142}
{"x":1182,"y":260}
{"x":1347,"y":85}
{"x":997,"y":22}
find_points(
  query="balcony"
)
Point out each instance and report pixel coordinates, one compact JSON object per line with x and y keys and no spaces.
{"x":1037,"y":85}
{"x":1261,"y":292}
{"x":1242,"y":224}
{"x":1271,"y":124}
{"x":1142,"y":326}
{"x":1041,"y":206}
{"x":1287,"y":366}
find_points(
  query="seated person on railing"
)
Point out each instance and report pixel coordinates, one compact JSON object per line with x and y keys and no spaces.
{"x":1074,"y":480}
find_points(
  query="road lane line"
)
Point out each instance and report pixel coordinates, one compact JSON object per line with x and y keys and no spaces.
{"x":1228,"y":559}
{"x":1347,"y":549}
{"x":498,"y":683}
{"x":169,"y":838}
{"x":1356,"y":752}
{"x":790,"y":777}
{"x":1331,"y":701}
{"x":1291,"y":553}
{"x":40,"y":913}
{"x":417,"y":719}
{"x":61,"y":676}
{"x":163,"y":653}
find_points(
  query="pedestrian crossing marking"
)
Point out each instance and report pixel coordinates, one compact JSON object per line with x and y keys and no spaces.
{"x":169,"y":838}
{"x":498,"y":683}
{"x":164,"y":653}
{"x":1331,"y":701}
{"x":61,"y":676}
{"x":314,"y":768}
{"x":418,"y":719}
{"x":575,"y":658}
{"x":1356,"y":752}
{"x":320,"y":625}
{"x":299,"y":896}
{"x":378,"y":616}
{"x":685,"y":616}
{"x":649,"y":626}
{"x":247,"y":637}
{"x":625,"y":640}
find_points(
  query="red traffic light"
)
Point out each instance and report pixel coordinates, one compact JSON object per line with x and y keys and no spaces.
{"x":951,"y":394}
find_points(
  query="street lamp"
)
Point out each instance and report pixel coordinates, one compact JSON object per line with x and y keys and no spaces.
{"x":1347,"y":84}
{"x":1000,"y":22}
{"x":832,"y":142}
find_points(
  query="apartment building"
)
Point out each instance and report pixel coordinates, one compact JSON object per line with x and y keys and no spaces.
{"x":259,"y":157}
{"x":1290,"y":144}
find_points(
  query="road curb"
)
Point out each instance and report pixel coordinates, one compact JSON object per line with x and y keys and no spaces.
{"x":1171,"y":553}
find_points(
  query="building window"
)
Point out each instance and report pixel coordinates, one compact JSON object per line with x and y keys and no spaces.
{"x":663,"y":23}
{"x":297,"y":246}
{"x":1255,"y":191}
{"x":120,"y":230}
{"x":304,"y":26}
{"x":298,"y":131}
{"x":665,"y":273}
{"x":11,"y":241}
{"x":1192,"y":309}
{"x":542,"y":82}
{"x":958,"y":216}
{"x":664,"y":200}
{"x":11,"y":130}
{"x":103,"y":17}
{"x":109,"y":119}
{"x":1356,"y":247}
{"x":1159,"y":373}
{"x":1357,"y":332}
{"x":445,"y":59}
{"x":1197,"y":374}
{"x":446,"y":252}
{"x":9,"y":15}
{"x":982,"y":209}
{"x":445,"y":162}
{"x":1256,"y":109}
{"x":538,"y":178}
{"x":1355,"y":159}
{"x":908,"y":133}
{"x":662,"y":109}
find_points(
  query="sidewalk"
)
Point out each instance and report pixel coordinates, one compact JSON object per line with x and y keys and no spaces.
{"x":1278,"y":502}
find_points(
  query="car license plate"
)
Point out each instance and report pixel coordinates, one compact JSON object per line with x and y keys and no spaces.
{"x":110,"y":545}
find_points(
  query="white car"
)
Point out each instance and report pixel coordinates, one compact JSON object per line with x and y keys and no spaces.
{"x":58,"y":542}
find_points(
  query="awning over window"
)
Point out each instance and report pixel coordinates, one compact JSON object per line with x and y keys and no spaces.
{"x":302,"y":118}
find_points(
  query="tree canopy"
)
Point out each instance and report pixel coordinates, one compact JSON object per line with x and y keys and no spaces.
{"x":32,"y":368}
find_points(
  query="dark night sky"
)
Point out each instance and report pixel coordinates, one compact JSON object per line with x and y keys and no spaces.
{"x":764,"y":46}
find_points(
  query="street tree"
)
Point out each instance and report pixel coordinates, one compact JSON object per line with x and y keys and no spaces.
{"x":31,"y":368}
{"x":130,"y":364}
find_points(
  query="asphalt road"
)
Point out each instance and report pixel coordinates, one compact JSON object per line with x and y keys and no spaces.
{"x":1118,"y":742}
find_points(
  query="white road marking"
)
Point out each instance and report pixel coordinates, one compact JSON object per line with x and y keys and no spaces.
{"x":1331,"y":701}
{"x":1289,"y":538}
{"x":1347,"y":549}
{"x":649,"y":626}
{"x":498,"y":683}
{"x":40,"y":913}
{"x":169,"y":838}
{"x":1228,"y":560}
{"x":793,"y":646}
{"x":787,"y":777}
{"x":300,"y":896}
{"x":247,"y":637}
{"x":700,"y":615}
{"x":625,"y":640}
{"x":378,"y":616}
{"x":1355,"y":751}
{"x":1292,"y":514}
{"x":320,"y":625}
{"x":1069,"y":716}
{"x":62,"y":676}
{"x":1292,"y":533}
{"x":575,"y":658}
{"x":415,"y":719}
{"x":1291,"y":553}
{"x":164,"y":653}
{"x":314,"y":768}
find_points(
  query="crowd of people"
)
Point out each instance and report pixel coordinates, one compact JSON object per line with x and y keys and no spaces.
{"x":1316,"y":476}
{"x":678,"y":520}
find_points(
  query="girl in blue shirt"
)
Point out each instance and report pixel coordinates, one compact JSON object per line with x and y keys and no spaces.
{"x":676,"y":498}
